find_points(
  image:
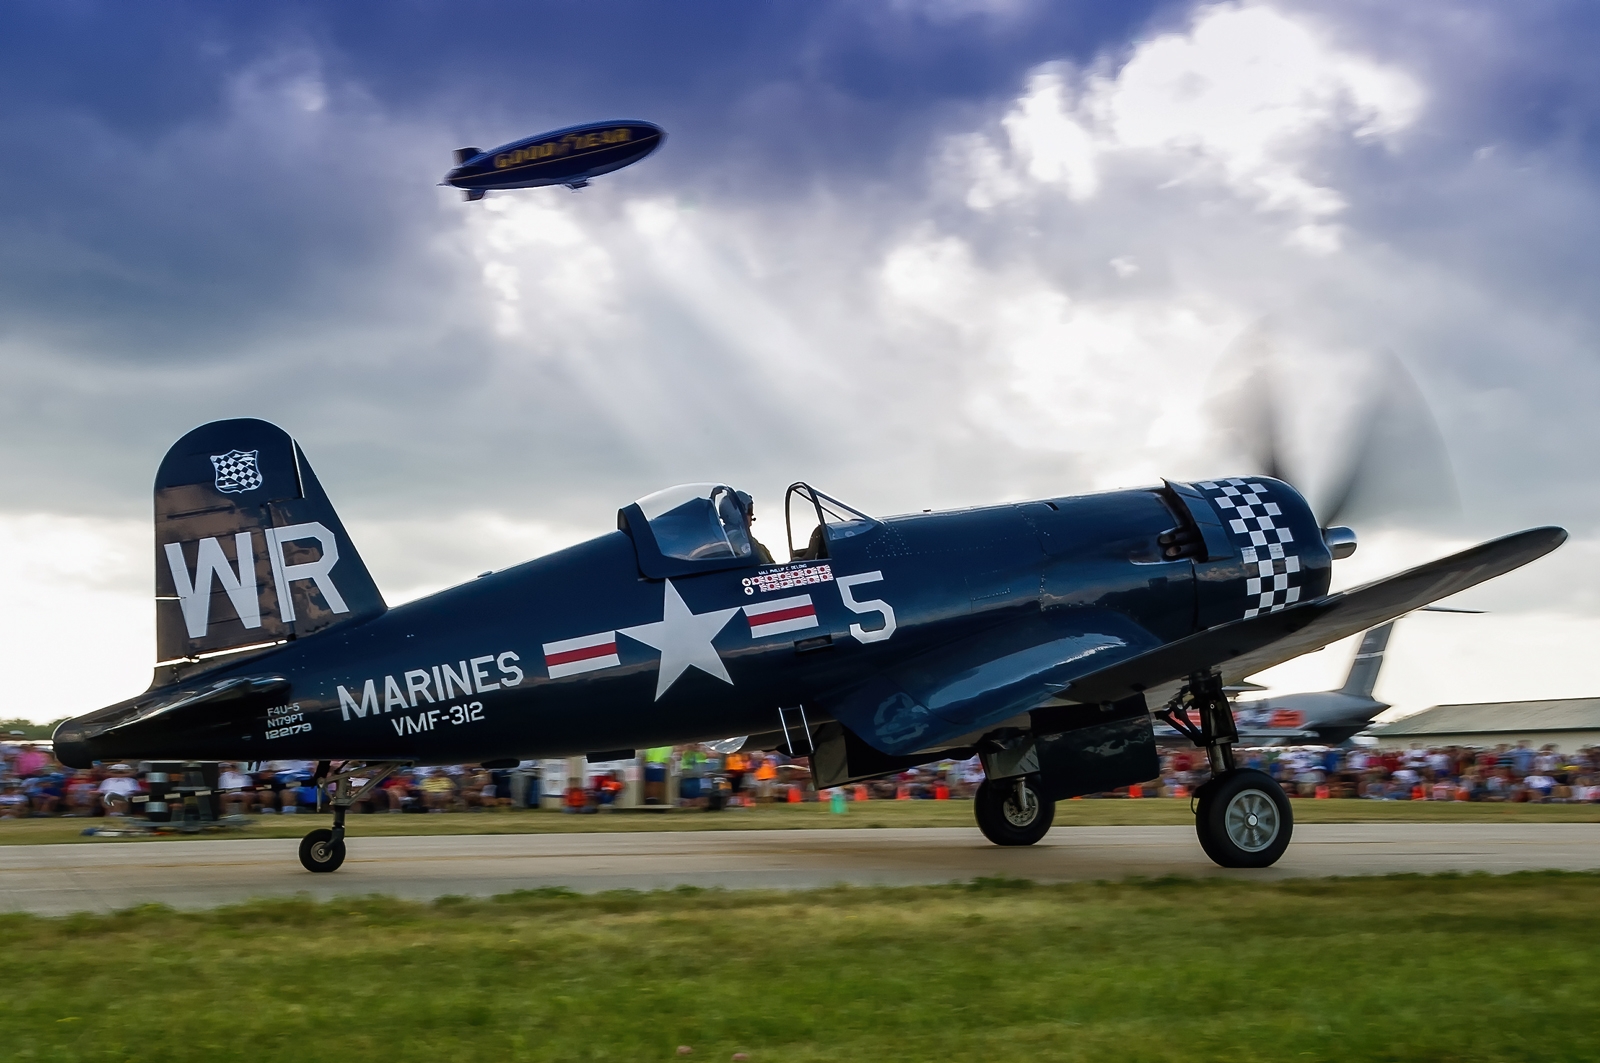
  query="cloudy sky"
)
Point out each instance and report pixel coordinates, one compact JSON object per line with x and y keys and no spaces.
{"x":920,"y":253}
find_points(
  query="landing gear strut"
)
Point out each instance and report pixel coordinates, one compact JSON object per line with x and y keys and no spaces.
{"x":323,"y":850}
{"x":1242,"y":817}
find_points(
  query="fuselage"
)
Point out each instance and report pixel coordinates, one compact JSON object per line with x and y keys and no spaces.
{"x":581,"y":651}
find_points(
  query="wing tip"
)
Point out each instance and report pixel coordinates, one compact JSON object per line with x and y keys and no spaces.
{"x":1549,"y":536}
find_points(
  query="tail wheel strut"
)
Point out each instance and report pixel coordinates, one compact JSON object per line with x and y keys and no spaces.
{"x":322,"y":850}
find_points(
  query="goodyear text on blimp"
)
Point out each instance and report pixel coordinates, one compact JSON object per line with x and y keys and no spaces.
{"x":552,"y":149}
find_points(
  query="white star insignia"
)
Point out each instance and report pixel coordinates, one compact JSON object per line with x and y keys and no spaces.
{"x":684,"y":639}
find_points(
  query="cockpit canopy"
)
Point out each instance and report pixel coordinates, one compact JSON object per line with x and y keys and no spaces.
{"x":698,"y":522}
{"x":694,"y":528}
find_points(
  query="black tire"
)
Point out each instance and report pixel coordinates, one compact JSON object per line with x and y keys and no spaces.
{"x":320,"y":853}
{"x":1243,"y":819}
{"x":995,"y":806}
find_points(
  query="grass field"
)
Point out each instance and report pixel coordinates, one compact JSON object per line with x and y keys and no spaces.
{"x":1147,"y":812}
{"x":1451,"y":968}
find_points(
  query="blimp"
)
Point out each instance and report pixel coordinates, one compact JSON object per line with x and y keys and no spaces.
{"x":570,"y":157}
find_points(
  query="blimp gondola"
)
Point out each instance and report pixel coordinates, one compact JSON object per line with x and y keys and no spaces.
{"x":571,"y":157}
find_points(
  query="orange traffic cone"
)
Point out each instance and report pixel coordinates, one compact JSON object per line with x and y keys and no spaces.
{"x":794,"y":795}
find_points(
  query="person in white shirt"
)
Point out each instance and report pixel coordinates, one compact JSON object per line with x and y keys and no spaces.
{"x":1539,"y":786}
{"x":238,"y":790}
{"x":116,"y":788}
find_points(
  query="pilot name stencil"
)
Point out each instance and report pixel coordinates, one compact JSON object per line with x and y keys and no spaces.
{"x":431,"y":685}
{"x":787,"y":578}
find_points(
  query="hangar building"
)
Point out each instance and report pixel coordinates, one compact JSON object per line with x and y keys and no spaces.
{"x":1566,"y":723}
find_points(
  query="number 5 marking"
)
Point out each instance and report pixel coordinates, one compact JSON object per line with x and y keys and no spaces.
{"x":872,"y":605}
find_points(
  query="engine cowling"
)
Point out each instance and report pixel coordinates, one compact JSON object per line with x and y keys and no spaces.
{"x":1260,"y":548}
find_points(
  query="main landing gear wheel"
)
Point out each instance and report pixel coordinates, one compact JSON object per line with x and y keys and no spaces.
{"x":1244,"y":819}
{"x":319,"y":851}
{"x":1012,"y":811}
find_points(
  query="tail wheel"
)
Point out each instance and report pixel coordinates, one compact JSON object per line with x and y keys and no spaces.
{"x":1244,"y":819}
{"x":1013,"y":811}
{"x":320,"y":852}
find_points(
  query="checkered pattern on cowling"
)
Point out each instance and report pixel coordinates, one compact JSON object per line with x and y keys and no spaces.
{"x":1274,"y":579}
{"x":237,"y":471}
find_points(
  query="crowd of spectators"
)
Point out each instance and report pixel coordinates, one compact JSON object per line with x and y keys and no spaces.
{"x":1450,"y":773}
{"x":32,"y":783}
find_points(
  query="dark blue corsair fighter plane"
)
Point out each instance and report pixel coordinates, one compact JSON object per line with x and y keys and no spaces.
{"x":1039,"y":635}
{"x":568,"y":157}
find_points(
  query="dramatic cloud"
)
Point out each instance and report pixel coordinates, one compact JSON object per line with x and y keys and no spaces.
{"x":911,"y":280}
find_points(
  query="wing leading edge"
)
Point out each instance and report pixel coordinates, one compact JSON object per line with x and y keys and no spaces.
{"x":1245,"y":647}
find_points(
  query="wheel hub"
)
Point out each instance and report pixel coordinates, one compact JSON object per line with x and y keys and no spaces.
{"x":1251,"y":820}
{"x":1021,"y":808}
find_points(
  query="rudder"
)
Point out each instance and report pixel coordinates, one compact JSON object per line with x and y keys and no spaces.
{"x":243,"y":486}
{"x":1363,"y":677}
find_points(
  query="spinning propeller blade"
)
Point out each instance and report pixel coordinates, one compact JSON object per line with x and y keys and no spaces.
{"x":1390,"y":464}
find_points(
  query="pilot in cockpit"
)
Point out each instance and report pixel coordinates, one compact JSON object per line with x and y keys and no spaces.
{"x":749,"y":505}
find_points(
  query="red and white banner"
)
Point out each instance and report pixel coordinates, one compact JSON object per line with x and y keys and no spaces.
{"x":585,"y":654}
{"x":780,"y":615}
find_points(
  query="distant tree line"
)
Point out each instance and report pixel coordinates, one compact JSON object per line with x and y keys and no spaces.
{"x":27,"y":729}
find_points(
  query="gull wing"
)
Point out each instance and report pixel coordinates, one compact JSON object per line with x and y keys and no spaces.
{"x":1245,"y":647}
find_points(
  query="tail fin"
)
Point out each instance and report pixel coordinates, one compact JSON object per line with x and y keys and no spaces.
{"x":248,"y":548}
{"x":1363,"y":675}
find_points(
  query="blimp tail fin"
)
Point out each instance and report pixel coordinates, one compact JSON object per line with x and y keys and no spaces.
{"x":472,"y":195}
{"x":463,"y":154}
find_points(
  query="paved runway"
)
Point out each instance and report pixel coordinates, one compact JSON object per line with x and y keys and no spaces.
{"x":101,"y":876}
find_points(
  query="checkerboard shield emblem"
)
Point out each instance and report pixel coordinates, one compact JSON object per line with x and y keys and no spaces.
{"x":237,"y":471}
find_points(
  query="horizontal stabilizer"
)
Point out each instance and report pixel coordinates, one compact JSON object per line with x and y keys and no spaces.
{"x":1246,"y":647}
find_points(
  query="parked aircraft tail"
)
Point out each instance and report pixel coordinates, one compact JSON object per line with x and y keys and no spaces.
{"x":1363,"y":675}
{"x":249,"y":551}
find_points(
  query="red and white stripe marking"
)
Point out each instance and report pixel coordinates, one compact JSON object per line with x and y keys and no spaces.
{"x":585,"y":654}
{"x":780,"y":615}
